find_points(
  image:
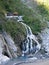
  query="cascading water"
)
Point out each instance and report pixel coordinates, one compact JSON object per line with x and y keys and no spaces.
{"x":28,"y":44}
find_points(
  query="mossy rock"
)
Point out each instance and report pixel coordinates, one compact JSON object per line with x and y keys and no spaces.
{"x":16,"y":30}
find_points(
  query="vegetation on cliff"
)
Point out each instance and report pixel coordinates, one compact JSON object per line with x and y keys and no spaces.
{"x":30,"y":17}
{"x":16,"y":30}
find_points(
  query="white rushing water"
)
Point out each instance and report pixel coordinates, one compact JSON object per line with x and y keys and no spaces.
{"x":28,"y":44}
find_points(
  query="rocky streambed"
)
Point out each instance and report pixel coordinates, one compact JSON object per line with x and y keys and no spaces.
{"x":32,"y":47}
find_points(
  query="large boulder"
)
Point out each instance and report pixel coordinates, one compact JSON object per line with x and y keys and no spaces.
{"x":3,"y":58}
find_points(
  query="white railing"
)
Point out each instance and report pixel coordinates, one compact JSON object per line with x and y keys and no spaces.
{"x":19,"y":18}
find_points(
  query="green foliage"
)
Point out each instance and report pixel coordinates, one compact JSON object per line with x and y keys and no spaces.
{"x":8,"y":5}
{"x":0,"y":27}
{"x":43,"y":10}
{"x":15,"y":29}
{"x":30,"y":17}
{"x":34,"y":23}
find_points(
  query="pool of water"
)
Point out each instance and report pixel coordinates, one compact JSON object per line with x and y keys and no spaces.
{"x":25,"y":60}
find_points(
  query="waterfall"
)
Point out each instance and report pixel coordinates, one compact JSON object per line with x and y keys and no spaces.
{"x":30,"y":45}
{"x":29,"y":48}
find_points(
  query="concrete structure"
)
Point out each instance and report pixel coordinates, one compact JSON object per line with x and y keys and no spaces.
{"x":14,"y":16}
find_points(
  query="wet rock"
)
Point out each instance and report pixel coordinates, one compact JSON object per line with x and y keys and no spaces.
{"x":3,"y":58}
{"x":39,"y":38}
{"x":11,"y":48}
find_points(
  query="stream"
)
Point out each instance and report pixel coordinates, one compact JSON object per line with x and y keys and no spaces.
{"x":32,"y":50}
{"x":30,"y":47}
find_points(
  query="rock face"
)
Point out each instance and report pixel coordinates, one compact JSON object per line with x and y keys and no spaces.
{"x":8,"y":49}
{"x":3,"y":58}
{"x":12,"y":49}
